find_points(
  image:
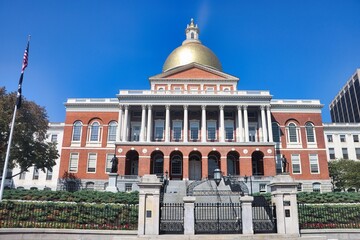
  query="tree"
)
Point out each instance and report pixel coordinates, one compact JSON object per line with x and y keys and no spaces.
{"x":28,"y":147}
{"x":345,"y":174}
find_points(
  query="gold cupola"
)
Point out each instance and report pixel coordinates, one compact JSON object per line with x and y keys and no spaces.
{"x":191,"y":51}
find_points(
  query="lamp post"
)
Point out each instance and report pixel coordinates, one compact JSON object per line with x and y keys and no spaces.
{"x":246,"y":179}
{"x":217,"y":176}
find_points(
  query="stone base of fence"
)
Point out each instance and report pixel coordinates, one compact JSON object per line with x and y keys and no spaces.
{"x":338,"y":234}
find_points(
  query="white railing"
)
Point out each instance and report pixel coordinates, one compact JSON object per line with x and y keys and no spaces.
{"x":197,"y":92}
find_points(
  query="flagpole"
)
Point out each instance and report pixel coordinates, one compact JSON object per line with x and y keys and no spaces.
{"x":7,"y":155}
{"x":17,"y":105}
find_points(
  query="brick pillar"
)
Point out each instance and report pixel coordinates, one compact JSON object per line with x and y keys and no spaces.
{"x":204,"y":167}
{"x":167,"y":164}
{"x":144,"y":165}
{"x":185,"y":168}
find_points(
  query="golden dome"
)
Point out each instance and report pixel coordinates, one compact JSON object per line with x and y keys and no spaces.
{"x":190,"y":51}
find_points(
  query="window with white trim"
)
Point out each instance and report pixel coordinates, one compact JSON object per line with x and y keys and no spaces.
{"x":310,"y":133}
{"x":229,"y":129}
{"x":314,"y":163}
{"x":135,"y":131}
{"x":74,"y":160}
{"x":77,"y":127}
{"x":211,"y":130}
{"x":331,"y":153}
{"x":54,"y":137}
{"x":210,"y":89}
{"x":296,"y":163}
{"x":112,"y":131}
{"x":356,"y":138}
{"x":276,"y":131}
{"x":342,"y":138}
{"x":108,"y":163}
{"x":22,"y":175}
{"x":194,"y":130}
{"x":176,"y":165}
{"x":293,"y":133}
{"x":36,"y":173}
{"x":316,"y":187}
{"x":94,"y":132}
{"x":345,"y":153}
{"x":177,"y":129}
{"x":159,"y":130}
{"x":49,"y":174}
{"x":91,"y":166}
{"x":357,"y":152}
{"x":329,"y":138}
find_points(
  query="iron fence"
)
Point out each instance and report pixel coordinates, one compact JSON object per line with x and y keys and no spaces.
{"x":316,"y":216}
{"x":218,"y":218}
{"x":264,"y":219}
{"x":68,"y":215}
{"x":171,"y":218}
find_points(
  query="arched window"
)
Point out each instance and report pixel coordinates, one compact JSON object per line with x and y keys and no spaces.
{"x":292,"y":133}
{"x":310,"y":133}
{"x":77,"y":131}
{"x":112,"y":131}
{"x":192,"y":35}
{"x":158,"y":164}
{"x":94,"y":132}
{"x":276,"y":132}
{"x":176,"y":165}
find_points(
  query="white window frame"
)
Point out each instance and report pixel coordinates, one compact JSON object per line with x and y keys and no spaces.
{"x":314,"y":161}
{"x":295,"y":159}
{"x":112,"y":130}
{"x":35,"y":173}
{"x":342,"y":137}
{"x":54,"y":137}
{"x":49,"y":175}
{"x":74,"y":161}
{"x":310,"y":129}
{"x":211,"y":124}
{"x":210,"y":89}
{"x":229,"y":124}
{"x":194,"y":124}
{"x":159,"y":124}
{"x":177,"y":124}
{"x":135,"y":137}
{"x":91,"y":162}
{"x":289,"y":127}
{"x":108,"y":163}
{"x":94,"y":134}
{"x":77,"y":131}
{"x":275,"y":127}
{"x":345,"y":151}
{"x":173,"y":159}
{"x":332,"y":152}
{"x":316,"y":186}
{"x":194,"y":89}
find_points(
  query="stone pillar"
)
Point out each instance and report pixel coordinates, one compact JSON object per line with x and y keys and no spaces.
{"x":263,"y":124}
{"x":246,"y":124}
{"x":149,"y":124}
{"x":120,"y":121}
{"x":246,"y":214}
{"x":125,"y":124}
{"x":189,"y":215}
{"x":221,"y":124}
{"x":204,"y":167}
{"x":203,"y":123}
{"x":269,"y":123}
{"x":186,"y":128}
{"x":283,"y":191}
{"x":149,"y":205}
{"x":240,"y":124}
{"x":143,"y":118}
{"x":167,"y":123}
{"x":112,"y":187}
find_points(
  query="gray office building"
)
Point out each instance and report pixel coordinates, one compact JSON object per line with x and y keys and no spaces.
{"x":345,"y":108}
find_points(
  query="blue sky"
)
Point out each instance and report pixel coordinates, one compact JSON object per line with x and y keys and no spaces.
{"x":91,"y":49}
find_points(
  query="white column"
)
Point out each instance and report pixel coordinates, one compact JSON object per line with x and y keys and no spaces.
{"x":125,"y":123}
{"x":186,"y":123}
{"x":269,"y":123}
{"x":167,"y":123}
{"x":203,"y":123}
{"x":240,"y":125}
{"x":263,"y":124}
{"x":120,"y":121}
{"x":246,"y":124}
{"x":221,"y":124}
{"x":143,"y":120}
{"x":149,"y":124}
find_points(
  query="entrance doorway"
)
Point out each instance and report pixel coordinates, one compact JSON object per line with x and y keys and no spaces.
{"x":195,"y":166}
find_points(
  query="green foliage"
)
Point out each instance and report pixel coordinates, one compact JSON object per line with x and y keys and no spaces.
{"x":78,"y":196}
{"x":345,"y":174}
{"x":28,"y":145}
{"x":330,"y":197}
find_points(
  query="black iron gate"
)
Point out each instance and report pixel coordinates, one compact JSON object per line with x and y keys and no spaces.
{"x":217,"y":218}
{"x":171,"y":218}
{"x":264,"y":216}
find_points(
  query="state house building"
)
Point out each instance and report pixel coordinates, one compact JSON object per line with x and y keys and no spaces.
{"x":194,"y":119}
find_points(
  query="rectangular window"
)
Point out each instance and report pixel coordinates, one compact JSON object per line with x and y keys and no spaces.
{"x":211,"y":130}
{"x":357,"y":151}
{"x":177,"y":128}
{"x":112,"y":132}
{"x":331,"y":153}
{"x":159,"y":130}
{"x":135,"y":132}
{"x":356,"y":138}
{"x":345,"y":153}
{"x":209,"y":89}
{"x":194,"y":130}
{"x":229,"y":130}
{"x":314,"y":163}
{"x":108,"y":163}
{"x":329,"y":138}
{"x":128,"y":187}
{"x":74,"y":160}
{"x":299,"y":187}
{"x":342,"y":138}
{"x":295,"y":161}
{"x":36,"y":173}
{"x":262,"y":187}
{"x":91,"y":163}
{"x":49,"y":174}
{"x":54,"y":138}
{"x":22,"y":175}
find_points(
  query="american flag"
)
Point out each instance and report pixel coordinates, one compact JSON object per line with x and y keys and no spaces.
{"x":25,"y":60}
{"x":24,"y":65}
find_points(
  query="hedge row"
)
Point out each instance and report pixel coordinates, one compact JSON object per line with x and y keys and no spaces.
{"x":78,"y":197}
